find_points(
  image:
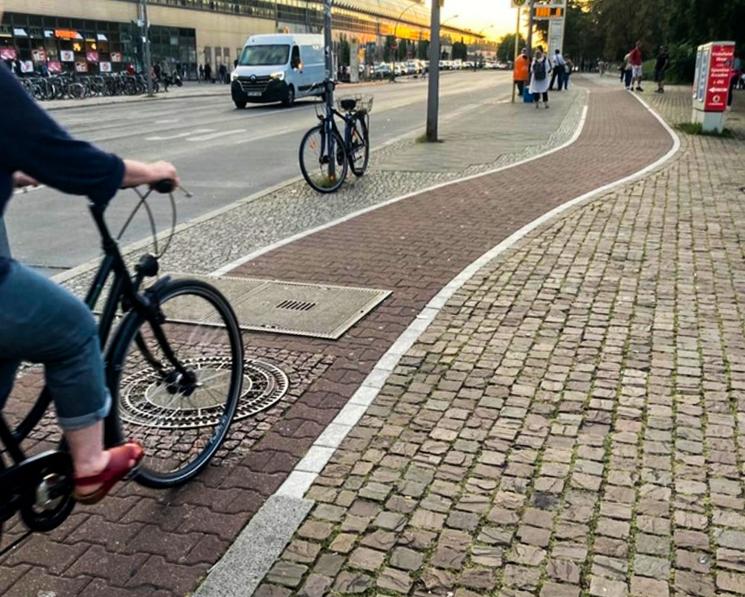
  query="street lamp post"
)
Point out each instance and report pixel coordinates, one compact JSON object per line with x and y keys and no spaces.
{"x":433,"y":98}
{"x":145,"y":24}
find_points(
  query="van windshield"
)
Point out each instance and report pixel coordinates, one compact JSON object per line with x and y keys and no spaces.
{"x":264,"y":55}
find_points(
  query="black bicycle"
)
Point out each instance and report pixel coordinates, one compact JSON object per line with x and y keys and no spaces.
{"x":326,"y":156}
{"x":174,"y":368}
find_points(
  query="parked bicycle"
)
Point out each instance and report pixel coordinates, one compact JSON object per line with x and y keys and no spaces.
{"x":74,"y":86}
{"x":326,"y":156}
{"x":174,"y":369}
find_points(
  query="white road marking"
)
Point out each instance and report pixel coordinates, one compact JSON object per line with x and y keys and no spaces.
{"x":216,"y":135}
{"x":167,"y":121}
{"x":178,"y":135}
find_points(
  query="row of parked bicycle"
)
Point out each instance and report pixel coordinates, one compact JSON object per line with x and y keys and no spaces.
{"x":66,"y":86}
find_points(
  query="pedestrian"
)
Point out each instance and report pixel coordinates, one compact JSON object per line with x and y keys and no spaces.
{"x":558,"y":70}
{"x":207,"y":72}
{"x":735,"y":78}
{"x":201,"y":73}
{"x":223,"y":73}
{"x":568,"y":68}
{"x":539,"y":78}
{"x":521,"y":72}
{"x":636,"y":61}
{"x":660,"y":67}
{"x":626,"y":72}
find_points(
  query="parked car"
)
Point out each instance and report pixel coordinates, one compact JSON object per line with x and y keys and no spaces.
{"x":382,"y":71}
{"x":278,"y":68}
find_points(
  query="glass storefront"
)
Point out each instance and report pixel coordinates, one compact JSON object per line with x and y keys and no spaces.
{"x":60,"y":44}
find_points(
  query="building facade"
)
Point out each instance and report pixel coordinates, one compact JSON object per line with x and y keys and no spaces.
{"x":94,"y":36}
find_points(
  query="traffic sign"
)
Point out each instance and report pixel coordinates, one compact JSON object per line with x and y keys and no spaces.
{"x":518,"y":3}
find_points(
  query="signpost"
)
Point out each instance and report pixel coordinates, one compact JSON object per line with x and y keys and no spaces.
{"x":328,"y":49}
{"x":145,"y":24}
{"x":516,"y":4}
{"x":553,"y":11}
{"x":711,"y":84}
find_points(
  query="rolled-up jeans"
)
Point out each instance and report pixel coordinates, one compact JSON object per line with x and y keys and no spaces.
{"x":41,"y":322}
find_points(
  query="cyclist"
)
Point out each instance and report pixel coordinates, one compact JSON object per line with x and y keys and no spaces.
{"x":43,"y":323}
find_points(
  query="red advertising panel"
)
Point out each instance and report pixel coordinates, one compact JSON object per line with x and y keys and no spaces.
{"x":54,"y":66}
{"x":7,"y":53}
{"x":720,"y":71}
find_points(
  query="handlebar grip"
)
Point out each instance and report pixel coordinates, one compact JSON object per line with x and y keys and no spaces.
{"x":164,"y":186}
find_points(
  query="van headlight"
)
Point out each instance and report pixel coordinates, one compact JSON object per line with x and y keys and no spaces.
{"x":279,"y":76}
{"x":233,"y":75}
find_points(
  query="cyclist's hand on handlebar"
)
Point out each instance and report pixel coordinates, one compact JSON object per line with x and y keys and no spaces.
{"x":137,"y":173}
{"x":24,"y":180}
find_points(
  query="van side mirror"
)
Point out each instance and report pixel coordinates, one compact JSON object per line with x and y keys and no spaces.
{"x":296,"y":64}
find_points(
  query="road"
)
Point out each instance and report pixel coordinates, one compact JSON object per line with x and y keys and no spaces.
{"x":222,"y":154}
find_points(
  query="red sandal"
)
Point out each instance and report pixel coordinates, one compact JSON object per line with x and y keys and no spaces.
{"x":117,"y":469}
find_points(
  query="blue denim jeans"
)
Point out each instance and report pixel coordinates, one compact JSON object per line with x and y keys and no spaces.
{"x":42,"y":322}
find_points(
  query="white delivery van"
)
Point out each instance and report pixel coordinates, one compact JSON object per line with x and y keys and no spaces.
{"x":278,"y":68}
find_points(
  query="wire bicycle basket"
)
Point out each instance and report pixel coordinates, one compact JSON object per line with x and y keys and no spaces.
{"x":354,"y":103}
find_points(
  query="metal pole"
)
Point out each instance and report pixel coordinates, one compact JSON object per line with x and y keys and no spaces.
{"x":328,"y":43}
{"x":433,"y":99}
{"x":530,"y":29}
{"x":146,"y":46}
{"x":514,"y":62}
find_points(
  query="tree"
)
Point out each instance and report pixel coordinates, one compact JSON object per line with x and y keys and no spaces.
{"x":506,"y":47}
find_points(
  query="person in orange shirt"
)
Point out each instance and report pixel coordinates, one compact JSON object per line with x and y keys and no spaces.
{"x":521,"y":72}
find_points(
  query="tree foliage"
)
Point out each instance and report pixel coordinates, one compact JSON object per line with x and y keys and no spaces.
{"x":607,"y":29}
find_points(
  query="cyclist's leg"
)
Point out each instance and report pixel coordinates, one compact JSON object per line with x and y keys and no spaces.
{"x":7,"y":377}
{"x":43,"y":323}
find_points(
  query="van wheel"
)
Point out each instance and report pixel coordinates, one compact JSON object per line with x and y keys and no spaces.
{"x":240,"y":105}
{"x":290,"y":97}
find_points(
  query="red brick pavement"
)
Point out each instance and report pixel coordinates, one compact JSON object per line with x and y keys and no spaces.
{"x":144,"y":542}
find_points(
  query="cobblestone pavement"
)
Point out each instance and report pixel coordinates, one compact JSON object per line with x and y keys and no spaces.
{"x":145,"y":542}
{"x":572,"y":421}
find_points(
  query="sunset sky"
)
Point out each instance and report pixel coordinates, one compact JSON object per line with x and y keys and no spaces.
{"x":480,"y":14}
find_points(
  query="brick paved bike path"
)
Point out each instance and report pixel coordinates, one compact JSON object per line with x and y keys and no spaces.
{"x":144,"y":542}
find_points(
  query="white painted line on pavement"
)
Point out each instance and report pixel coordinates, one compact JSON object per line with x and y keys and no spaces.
{"x":216,"y":135}
{"x":302,"y":477}
{"x":178,"y":135}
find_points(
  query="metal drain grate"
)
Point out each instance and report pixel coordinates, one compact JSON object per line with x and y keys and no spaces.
{"x":264,"y":385}
{"x":296,"y":305}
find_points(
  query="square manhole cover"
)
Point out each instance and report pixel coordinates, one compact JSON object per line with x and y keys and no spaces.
{"x":316,"y":310}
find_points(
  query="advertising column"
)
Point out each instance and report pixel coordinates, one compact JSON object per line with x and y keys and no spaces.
{"x":711,"y":84}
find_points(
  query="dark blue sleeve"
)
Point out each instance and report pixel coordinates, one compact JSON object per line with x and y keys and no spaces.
{"x":32,"y":142}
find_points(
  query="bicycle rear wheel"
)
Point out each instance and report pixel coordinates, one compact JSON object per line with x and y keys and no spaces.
{"x":359,"y":154}
{"x":180,"y":412}
{"x":314,"y":161}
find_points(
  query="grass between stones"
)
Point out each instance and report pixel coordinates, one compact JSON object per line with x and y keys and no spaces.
{"x":696,"y":128}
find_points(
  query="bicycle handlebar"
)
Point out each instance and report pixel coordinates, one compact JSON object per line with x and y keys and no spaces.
{"x":164,"y":186}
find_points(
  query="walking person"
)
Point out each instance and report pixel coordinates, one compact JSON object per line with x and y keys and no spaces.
{"x":223,"y":73}
{"x":207,"y":73}
{"x":568,"y":68}
{"x":521,"y":72}
{"x":636,"y":61}
{"x":539,"y":78}
{"x":558,"y":63}
{"x":201,"y":73}
{"x":660,"y":67}
{"x":626,"y":72}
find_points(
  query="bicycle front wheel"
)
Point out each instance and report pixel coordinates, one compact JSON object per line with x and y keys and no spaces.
{"x":359,"y":154}
{"x":315,"y":161}
{"x":176,"y":384}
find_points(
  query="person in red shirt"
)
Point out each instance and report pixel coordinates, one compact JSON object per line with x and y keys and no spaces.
{"x":635,"y":59}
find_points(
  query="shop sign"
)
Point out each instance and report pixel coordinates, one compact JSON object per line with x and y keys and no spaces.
{"x":116,"y":57}
{"x":54,"y":66}
{"x":48,"y":33}
{"x":19,"y":32}
{"x":67,"y":34}
{"x":81,"y":67}
{"x":91,"y":56}
{"x":101,"y":37}
{"x":7,"y":53}
{"x":67,"y":56}
{"x":27,"y":66}
{"x":105,"y":67}
{"x":39,"y":55}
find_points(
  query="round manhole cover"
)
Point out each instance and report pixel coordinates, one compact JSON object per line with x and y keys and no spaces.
{"x":140,"y":395}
